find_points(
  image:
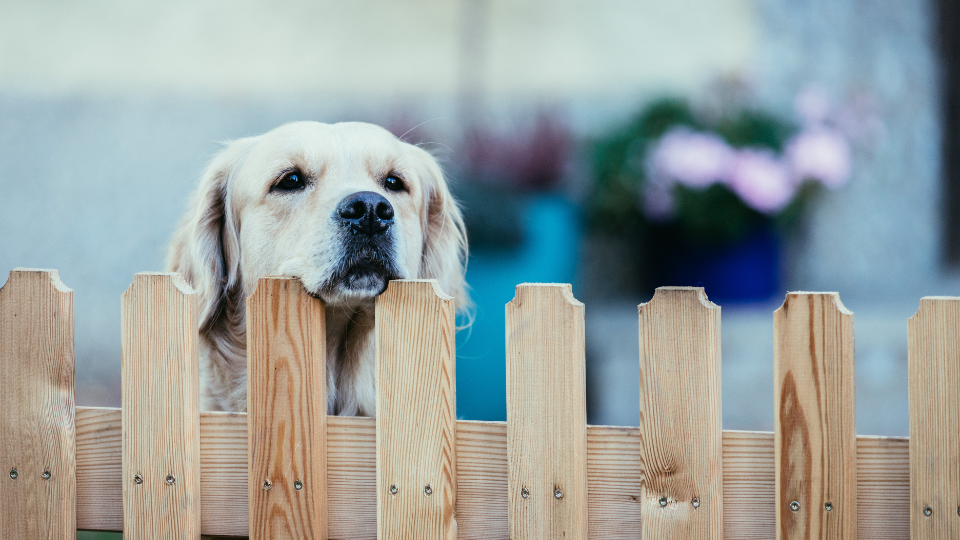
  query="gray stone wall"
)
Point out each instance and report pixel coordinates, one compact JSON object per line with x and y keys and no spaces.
{"x":878,"y":238}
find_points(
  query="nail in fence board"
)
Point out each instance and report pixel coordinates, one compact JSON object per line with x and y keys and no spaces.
{"x":815,"y":429}
{"x":37,"y":435}
{"x":287,"y":412}
{"x":161,"y":409}
{"x":416,"y":412}
{"x":546,"y":414}
{"x":680,"y":416}
{"x":934,"y":366}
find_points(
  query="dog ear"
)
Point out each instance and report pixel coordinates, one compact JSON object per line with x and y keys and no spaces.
{"x":445,"y":249}
{"x":206,"y":249}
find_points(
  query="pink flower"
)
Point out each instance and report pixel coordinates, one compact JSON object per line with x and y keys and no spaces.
{"x":658,"y":201}
{"x":761,"y":180}
{"x":812,"y":106}
{"x":693,"y":159}
{"x":820,"y":154}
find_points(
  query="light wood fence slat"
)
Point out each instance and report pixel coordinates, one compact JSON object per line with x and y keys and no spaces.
{"x":814,"y":422}
{"x":416,"y":412}
{"x":287,"y":412}
{"x":161,"y":409}
{"x":37,"y":434}
{"x":613,"y":478}
{"x":546,"y":414}
{"x":883,"y":488}
{"x":680,"y":416}
{"x":934,"y":379}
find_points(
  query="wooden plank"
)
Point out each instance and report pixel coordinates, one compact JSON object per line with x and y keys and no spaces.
{"x":161,"y":408}
{"x":883,"y":488}
{"x":815,"y":428}
{"x":416,"y":412}
{"x":286,"y":411}
{"x":680,"y":416}
{"x":546,"y":413}
{"x":613,"y":478}
{"x":933,"y":361}
{"x":37,"y":445}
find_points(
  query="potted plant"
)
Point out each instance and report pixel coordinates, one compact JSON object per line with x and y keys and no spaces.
{"x":712,"y":194}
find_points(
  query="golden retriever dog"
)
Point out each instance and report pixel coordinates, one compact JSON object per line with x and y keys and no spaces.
{"x":344,"y":208}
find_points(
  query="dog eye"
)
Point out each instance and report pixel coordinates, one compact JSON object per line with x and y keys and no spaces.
{"x":394,"y":183}
{"x":291,"y":181}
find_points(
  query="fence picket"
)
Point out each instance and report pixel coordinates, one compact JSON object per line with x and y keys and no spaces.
{"x":37,"y":429}
{"x":416,"y":412}
{"x":161,"y":409}
{"x":814,"y":425}
{"x":934,"y":367}
{"x":680,"y":416}
{"x":286,"y":412}
{"x":546,"y":414}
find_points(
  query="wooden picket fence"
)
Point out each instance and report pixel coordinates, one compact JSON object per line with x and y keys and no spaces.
{"x":160,"y":469}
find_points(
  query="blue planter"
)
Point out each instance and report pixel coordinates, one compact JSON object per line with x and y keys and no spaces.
{"x":548,"y":255}
{"x":742,"y":272}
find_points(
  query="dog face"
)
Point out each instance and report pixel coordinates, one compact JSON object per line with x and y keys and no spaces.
{"x":343,"y":207}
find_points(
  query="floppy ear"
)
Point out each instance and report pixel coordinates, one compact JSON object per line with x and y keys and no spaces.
{"x":206,"y":250}
{"x":445,"y":247}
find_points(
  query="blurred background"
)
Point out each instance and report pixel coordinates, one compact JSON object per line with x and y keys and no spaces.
{"x":749,"y":146}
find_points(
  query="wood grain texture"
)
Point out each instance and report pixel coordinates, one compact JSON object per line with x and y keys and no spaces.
{"x":286,"y":411}
{"x":934,"y":368}
{"x":37,"y":432}
{"x":416,"y":412}
{"x":680,"y":416}
{"x":613,"y":478}
{"x":815,"y":428}
{"x":161,"y":408}
{"x":546,"y":413}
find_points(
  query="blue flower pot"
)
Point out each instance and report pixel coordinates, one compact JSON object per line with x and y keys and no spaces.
{"x":747,"y":271}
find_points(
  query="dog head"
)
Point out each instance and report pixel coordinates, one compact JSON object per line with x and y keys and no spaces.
{"x":342,"y":207}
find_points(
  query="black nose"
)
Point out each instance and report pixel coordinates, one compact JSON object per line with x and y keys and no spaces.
{"x":367,"y":212}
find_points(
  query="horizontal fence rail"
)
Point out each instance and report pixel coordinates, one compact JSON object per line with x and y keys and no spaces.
{"x":160,"y":468}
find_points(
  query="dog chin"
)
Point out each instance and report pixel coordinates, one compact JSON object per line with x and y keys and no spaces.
{"x":357,"y":286}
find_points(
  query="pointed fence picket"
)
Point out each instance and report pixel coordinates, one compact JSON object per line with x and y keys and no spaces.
{"x":160,"y":468}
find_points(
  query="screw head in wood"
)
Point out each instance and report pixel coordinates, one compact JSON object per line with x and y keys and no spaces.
{"x":46,"y":475}
{"x":795,"y":506}
{"x":427,"y":490}
{"x":927,"y":511}
{"x":828,"y":507}
{"x":393,"y":489}
{"x":298,"y":485}
{"x":663,"y":501}
{"x":267,"y":484}
{"x":524,"y":493}
{"x":558,"y":493}
{"x":137,"y":479}
{"x":14,"y":474}
{"x":170,"y":480}
{"x":695,"y":502}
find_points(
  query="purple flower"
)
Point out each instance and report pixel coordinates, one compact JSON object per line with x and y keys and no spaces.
{"x":693,"y":159}
{"x":820,"y":154}
{"x":812,"y":105}
{"x":658,"y":201}
{"x":761,"y":180}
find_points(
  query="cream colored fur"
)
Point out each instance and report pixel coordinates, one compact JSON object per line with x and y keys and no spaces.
{"x":237,"y":231}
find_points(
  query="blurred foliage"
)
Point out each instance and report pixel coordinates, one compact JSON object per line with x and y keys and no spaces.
{"x":498,"y":169}
{"x":491,"y":213}
{"x":709,"y":216}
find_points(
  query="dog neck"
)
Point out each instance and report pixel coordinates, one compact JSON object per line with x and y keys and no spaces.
{"x":351,"y":361}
